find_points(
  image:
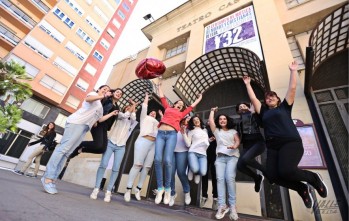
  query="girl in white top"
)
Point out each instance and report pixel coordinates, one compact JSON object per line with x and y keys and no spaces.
{"x":144,"y":150}
{"x":116,"y":144}
{"x":75,"y":129}
{"x":227,"y":152}
{"x":197,"y":141}
{"x":180,"y":164}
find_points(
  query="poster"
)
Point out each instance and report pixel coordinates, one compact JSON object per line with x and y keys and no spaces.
{"x":312,"y":157}
{"x":238,"y":29}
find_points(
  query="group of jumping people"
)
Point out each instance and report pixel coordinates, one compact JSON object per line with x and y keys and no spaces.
{"x":184,"y":145}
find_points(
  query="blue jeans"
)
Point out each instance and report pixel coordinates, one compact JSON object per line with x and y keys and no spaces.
{"x":197,"y":163}
{"x":226,"y":172}
{"x":119,"y":152}
{"x":72,"y":137}
{"x":164,"y":146}
{"x":180,"y":164}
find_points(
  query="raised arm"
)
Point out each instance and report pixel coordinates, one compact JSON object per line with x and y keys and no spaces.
{"x":99,"y":96}
{"x":211,"y":119}
{"x":198,"y":99}
{"x":291,"y":92}
{"x":161,"y":93}
{"x":255,"y":102}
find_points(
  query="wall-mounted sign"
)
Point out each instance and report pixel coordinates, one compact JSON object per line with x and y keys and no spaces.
{"x":312,"y":156}
{"x":238,"y":29}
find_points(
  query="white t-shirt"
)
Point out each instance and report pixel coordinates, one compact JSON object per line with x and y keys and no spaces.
{"x":149,"y":125}
{"x":180,"y":145}
{"x":226,"y":139}
{"x":197,"y":140}
{"x":88,"y":113}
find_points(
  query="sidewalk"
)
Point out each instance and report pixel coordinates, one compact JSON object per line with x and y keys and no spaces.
{"x":23,"y":198}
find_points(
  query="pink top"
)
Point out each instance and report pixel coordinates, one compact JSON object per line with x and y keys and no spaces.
{"x":172,"y":116}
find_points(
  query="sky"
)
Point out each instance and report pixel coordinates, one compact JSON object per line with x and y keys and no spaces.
{"x":132,"y":39}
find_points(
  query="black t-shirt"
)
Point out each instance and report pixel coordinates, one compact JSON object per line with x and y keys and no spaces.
{"x":109,"y":106}
{"x":278,"y":122}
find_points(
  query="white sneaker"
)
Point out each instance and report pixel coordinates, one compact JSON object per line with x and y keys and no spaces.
{"x":167,"y":197}
{"x":190,"y":175}
{"x":172,"y":200}
{"x":233,"y":214}
{"x":94,"y":193}
{"x":222,"y":210}
{"x":187,"y":198}
{"x":138,"y":194}
{"x":127,"y":195}
{"x":107,"y":197}
{"x":197,"y":179}
{"x":203,"y":201}
{"x":158,"y":197}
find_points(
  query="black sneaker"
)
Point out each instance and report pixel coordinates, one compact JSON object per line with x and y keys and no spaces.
{"x":258,"y":183}
{"x":320,"y":186}
{"x":307,"y":198}
{"x":18,"y":172}
{"x":31,"y":175}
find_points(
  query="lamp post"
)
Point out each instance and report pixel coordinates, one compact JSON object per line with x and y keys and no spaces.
{"x":149,"y":17}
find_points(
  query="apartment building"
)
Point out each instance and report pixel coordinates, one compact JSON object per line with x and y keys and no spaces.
{"x":64,"y":46}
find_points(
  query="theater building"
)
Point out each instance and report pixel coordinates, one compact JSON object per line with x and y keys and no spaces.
{"x":207,"y":46}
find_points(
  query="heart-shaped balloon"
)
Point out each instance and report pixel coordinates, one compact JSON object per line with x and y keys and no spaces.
{"x":150,"y":68}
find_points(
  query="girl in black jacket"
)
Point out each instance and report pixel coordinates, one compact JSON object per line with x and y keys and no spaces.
{"x":46,"y":141}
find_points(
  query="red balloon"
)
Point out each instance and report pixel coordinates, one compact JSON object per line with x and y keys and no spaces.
{"x":150,"y":68}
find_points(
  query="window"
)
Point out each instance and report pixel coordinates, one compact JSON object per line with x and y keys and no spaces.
{"x":65,"y":66}
{"x":90,"y":69}
{"x":61,"y":120}
{"x":75,"y":50}
{"x":105,"y":44}
{"x":111,"y":33}
{"x":116,"y":23}
{"x":294,"y":3}
{"x":109,"y":6}
{"x":73,"y":102}
{"x":29,"y":69}
{"x":53,"y":84}
{"x":125,"y":6}
{"x":38,"y":47}
{"x":51,"y":31}
{"x":121,"y":15}
{"x":93,"y":24}
{"x":101,"y":14}
{"x":84,"y":36}
{"x":98,"y":56}
{"x":83,"y":85}
{"x":75,"y":6}
{"x":34,"y":107}
{"x":58,"y":12}
{"x":177,"y":50}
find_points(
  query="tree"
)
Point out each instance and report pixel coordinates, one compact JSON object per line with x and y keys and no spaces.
{"x":12,"y":75}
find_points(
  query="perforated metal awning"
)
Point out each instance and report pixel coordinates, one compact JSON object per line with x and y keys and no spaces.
{"x":217,"y":66}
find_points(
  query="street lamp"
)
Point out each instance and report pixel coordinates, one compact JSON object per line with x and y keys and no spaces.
{"x":149,"y":17}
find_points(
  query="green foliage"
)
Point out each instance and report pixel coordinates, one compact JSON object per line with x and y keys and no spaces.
{"x":12,"y":75}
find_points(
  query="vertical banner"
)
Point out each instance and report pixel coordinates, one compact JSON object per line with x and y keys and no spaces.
{"x":238,"y":29}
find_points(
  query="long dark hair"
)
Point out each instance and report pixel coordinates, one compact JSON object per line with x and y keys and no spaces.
{"x":230,"y":122}
{"x":191,"y":125}
{"x":46,"y":129}
{"x":184,"y":106}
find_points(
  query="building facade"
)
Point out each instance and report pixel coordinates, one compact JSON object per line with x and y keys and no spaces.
{"x":207,"y":46}
{"x":64,"y":46}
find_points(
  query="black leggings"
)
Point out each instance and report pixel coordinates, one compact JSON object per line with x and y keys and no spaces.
{"x":252,"y":148}
{"x":283,"y":157}
{"x":211,"y":158}
{"x":99,"y":143}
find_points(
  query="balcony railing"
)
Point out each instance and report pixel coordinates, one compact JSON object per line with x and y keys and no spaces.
{"x":8,"y":35}
{"x":18,"y":13}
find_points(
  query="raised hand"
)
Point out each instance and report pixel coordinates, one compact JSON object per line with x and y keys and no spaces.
{"x":293,"y":66}
{"x":246,"y":79}
{"x":214,"y":109}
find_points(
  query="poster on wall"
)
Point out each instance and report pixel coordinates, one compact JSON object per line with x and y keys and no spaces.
{"x":235,"y":30}
{"x":312,"y":156}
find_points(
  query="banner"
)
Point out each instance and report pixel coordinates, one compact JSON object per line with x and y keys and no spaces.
{"x":236,"y":30}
